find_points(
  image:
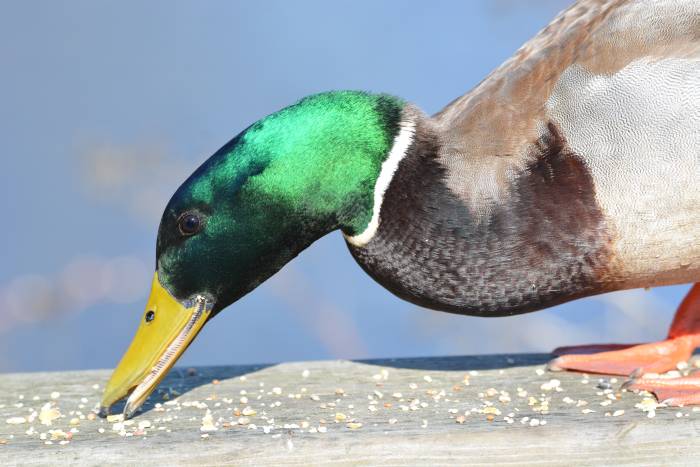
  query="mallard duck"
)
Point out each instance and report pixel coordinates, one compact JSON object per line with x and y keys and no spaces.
{"x":571,"y":170}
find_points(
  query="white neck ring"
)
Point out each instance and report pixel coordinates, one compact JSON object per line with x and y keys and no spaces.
{"x":402,"y":141}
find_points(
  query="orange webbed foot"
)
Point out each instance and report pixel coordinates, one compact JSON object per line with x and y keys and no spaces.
{"x":620,"y":359}
{"x":670,"y":391}
{"x":637,"y":360}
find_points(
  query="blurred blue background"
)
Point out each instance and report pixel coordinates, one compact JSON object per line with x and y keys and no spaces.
{"x":105,"y":108}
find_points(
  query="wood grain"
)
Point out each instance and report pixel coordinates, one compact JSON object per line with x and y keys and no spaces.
{"x":425,"y":432}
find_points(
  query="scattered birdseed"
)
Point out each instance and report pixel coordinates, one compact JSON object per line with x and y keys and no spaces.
{"x":208,"y":422}
{"x":437,"y":401}
{"x":603,"y":384}
{"x":552,"y":384}
{"x":143,"y":424}
{"x":48,"y":414}
{"x":649,"y":406}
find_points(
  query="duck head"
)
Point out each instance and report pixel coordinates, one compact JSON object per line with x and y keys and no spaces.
{"x":278,"y":186}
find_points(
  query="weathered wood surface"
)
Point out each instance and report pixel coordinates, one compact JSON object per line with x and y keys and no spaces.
{"x":416,"y":409}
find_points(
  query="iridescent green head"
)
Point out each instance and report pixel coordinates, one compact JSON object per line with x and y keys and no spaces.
{"x":284,"y":182}
{"x":281,"y":184}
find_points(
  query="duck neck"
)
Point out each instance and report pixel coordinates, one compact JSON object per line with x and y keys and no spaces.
{"x":543,"y":243}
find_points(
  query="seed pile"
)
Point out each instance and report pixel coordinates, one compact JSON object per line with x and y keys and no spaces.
{"x":316,"y":400}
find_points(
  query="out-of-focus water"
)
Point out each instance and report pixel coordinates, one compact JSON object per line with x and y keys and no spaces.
{"x":107,"y":106}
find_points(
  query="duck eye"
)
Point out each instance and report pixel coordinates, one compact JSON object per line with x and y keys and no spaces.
{"x":150,"y":316}
{"x":189,"y":224}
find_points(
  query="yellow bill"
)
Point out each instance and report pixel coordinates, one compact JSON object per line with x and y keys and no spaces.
{"x":167,"y":328}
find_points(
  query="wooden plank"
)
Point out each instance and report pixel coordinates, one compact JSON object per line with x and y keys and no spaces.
{"x":415,"y":407}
